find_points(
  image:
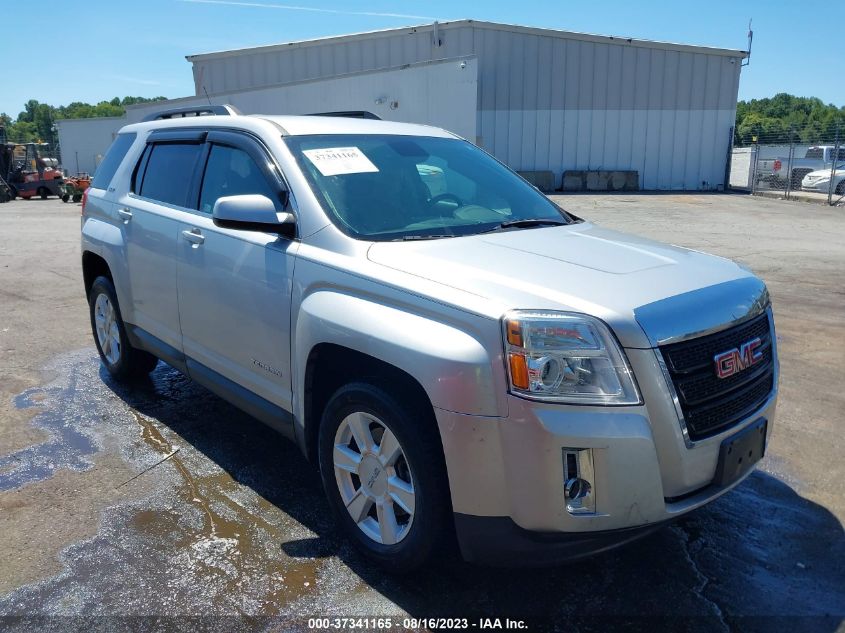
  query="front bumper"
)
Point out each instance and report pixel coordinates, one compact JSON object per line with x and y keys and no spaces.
{"x":819,"y":187}
{"x":499,"y":541}
{"x":506,"y":474}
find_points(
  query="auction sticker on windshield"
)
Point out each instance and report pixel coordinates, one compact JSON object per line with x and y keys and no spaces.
{"x":336,"y":161}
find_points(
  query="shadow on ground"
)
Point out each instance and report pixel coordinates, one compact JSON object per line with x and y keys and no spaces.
{"x":761,"y":550}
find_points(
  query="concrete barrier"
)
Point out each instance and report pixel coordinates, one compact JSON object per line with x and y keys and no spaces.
{"x":577,"y":180}
{"x":543,"y":180}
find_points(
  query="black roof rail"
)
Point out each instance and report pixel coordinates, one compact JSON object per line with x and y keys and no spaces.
{"x":349,"y":114}
{"x":217,"y":110}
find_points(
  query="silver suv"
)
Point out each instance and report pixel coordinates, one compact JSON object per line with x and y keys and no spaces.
{"x":455,"y":352}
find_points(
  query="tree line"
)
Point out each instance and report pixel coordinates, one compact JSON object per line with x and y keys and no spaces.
{"x":779,"y":119}
{"x":786,"y":118}
{"x":36,"y":122}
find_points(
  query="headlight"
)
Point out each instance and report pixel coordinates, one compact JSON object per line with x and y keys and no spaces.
{"x":566,"y":357}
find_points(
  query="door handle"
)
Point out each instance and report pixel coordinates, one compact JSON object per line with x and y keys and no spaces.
{"x":194,"y":236}
{"x":126,"y":214}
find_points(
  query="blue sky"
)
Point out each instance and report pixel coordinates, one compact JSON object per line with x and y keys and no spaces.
{"x":108,"y":48}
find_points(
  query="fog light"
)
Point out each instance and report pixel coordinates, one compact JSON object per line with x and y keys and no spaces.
{"x":577,"y":481}
{"x":577,"y":489}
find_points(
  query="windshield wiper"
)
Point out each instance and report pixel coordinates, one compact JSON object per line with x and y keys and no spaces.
{"x":527,"y":223}
{"x":520,"y":224}
{"x":408,"y":238}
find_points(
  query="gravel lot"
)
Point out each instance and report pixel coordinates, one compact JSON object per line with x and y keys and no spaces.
{"x":165,"y":501}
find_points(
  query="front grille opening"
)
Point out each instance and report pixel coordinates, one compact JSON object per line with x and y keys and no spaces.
{"x":711,"y":404}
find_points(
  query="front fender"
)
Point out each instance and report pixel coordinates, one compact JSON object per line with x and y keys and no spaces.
{"x":453,"y":367}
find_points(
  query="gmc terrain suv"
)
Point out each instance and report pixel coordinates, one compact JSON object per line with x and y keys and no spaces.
{"x":456,"y":352}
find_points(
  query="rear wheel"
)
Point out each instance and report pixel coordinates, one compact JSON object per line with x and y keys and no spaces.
{"x":122,"y":361}
{"x":840,"y":188}
{"x":383,"y":472}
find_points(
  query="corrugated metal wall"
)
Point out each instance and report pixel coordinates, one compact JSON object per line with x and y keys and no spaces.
{"x":554,"y":103}
{"x":546,"y":100}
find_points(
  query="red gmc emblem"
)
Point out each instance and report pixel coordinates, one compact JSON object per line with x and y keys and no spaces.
{"x":735,"y":360}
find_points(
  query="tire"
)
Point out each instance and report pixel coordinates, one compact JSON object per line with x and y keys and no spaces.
{"x":13,"y":193}
{"x":43,"y":192}
{"x":65,"y":197}
{"x":124,"y":362}
{"x":77,"y":197}
{"x":840,"y":189}
{"x":376,"y":487}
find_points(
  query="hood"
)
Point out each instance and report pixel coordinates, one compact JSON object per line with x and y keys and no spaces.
{"x":825,"y":173}
{"x":586,"y":268}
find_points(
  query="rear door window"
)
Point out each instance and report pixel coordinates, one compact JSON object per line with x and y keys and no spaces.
{"x":169,"y":172}
{"x":114,"y":156}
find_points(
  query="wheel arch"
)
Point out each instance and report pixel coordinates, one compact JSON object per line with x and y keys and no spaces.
{"x":330,"y":366}
{"x":93,"y":266}
{"x":104,"y":252}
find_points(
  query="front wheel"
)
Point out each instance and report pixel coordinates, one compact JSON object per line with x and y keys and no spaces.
{"x":383,"y":472}
{"x":122,"y":361}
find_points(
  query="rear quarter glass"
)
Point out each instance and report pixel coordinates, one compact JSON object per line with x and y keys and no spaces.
{"x":111,"y":161}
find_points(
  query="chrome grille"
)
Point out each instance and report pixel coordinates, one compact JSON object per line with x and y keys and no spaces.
{"x":710,"y":404}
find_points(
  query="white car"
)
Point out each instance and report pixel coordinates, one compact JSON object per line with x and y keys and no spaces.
{"x":819,"y":180}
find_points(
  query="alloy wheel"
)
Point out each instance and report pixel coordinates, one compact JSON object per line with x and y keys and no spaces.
{"x":374,"y":479}
{"x":108,"y":334}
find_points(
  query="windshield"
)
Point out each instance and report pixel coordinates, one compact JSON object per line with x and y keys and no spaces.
{"x":388,"y":187}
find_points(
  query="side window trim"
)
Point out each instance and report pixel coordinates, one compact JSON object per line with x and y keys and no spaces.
{"x":197,"y":178}
{"x":140,"y":169}
{"x":179,"y":135}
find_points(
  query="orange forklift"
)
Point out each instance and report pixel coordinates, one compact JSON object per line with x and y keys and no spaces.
{"x":24,"y":173}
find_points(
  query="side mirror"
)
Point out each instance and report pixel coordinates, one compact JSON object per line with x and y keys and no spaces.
{"x":251,"y":213}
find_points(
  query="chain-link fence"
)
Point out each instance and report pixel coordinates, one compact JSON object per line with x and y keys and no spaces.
{"x":786,"y":164}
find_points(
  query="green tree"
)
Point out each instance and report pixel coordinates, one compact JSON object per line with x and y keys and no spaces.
{"x":786,"y":117}
{"x":36,"y":121}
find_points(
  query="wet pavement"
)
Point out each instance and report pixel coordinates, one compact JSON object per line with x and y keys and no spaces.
{"x":192,"y":508}
{"x":235,"y":523}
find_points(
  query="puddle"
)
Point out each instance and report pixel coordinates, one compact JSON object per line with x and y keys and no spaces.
{"x":205,"y":541}
{"x":69,"y":445}
{"x":223,"y":545}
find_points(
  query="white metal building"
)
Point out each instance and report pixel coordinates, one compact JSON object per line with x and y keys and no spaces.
{"x":537,"y":99}
{"x":422,"y":92}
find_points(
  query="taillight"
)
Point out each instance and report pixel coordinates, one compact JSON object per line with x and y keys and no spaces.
{"x":777,"y":165}
{"x":84,"y":200}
